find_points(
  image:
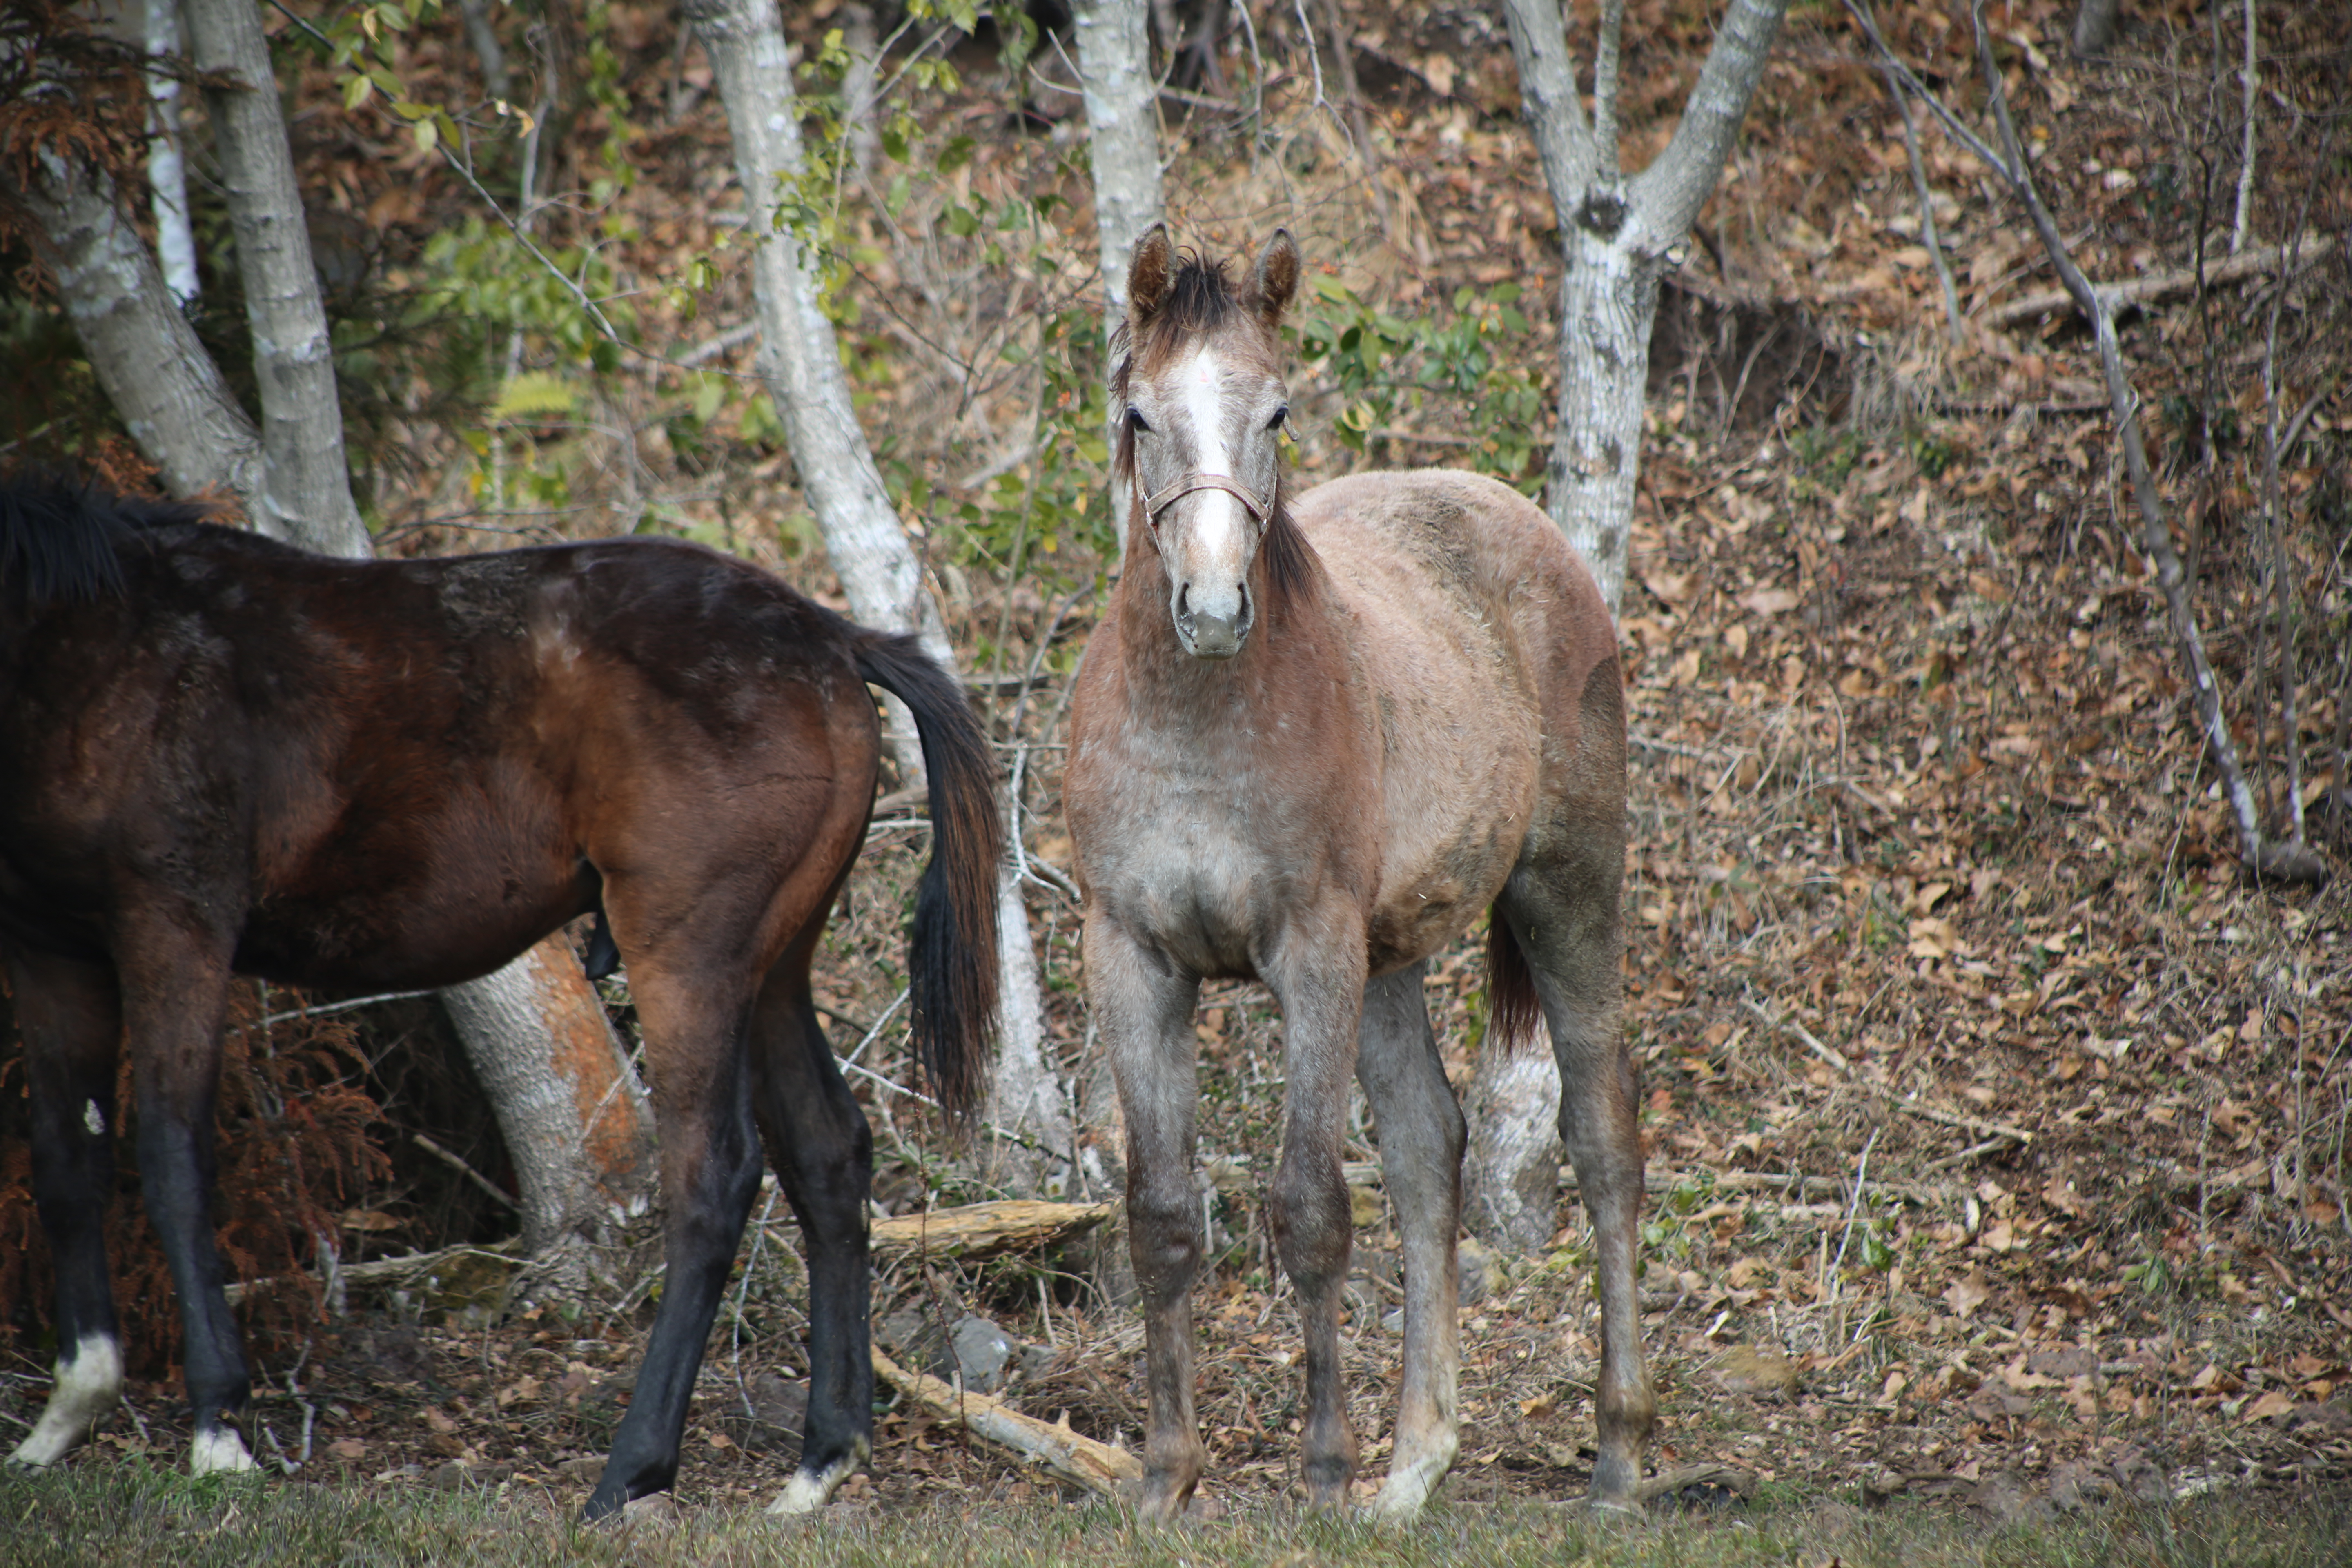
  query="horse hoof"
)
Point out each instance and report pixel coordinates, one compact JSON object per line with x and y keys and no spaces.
{"x":219,"y":1452}
{"x":810,"y":1490}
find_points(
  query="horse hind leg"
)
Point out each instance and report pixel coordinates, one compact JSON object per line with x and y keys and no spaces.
{"x":694,"y":1027}
{"x":822,"y":1151}
{"x":71,"y":1020}
{"x":1567,"y":924}
{"x":1422,"y":1136}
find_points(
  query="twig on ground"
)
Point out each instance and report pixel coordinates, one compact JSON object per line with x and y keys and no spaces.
{"x":1098,"y":1466}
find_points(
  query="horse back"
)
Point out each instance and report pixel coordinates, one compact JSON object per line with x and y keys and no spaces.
{"x":378,"y":772}
{"x":1493,"y":660}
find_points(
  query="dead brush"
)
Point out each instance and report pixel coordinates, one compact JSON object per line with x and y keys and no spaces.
{"x":300,"y":1146}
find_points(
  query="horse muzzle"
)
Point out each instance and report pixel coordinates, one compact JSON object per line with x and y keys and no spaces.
{"x":1206,"y":636}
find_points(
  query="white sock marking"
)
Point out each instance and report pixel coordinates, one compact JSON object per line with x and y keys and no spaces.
{"x":88,"y":1383}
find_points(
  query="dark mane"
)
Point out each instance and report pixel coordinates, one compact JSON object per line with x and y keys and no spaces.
{"x":59,"y":539}
{"x":1201,"y":300}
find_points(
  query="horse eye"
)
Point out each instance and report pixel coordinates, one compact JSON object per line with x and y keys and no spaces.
{"x":1136,"y":420}
{"x":1280,"y":414}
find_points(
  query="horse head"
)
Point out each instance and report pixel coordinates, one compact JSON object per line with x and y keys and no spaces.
{"x":1205,"y":402}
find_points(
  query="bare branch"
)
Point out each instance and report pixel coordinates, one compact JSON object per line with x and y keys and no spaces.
{"x":1605,"y":86}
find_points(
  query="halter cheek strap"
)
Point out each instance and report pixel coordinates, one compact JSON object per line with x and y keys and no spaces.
{"x":1161,"y":500}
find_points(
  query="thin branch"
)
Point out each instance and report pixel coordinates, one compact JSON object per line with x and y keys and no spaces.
{"x":2246,"y":155}
{"x":1927,"y":236}
{"x":1604,"y":89}
{"x":2289,"y":863}
{"x":458,"y":1165}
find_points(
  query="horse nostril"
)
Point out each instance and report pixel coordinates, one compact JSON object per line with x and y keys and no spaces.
{"x":1183,"y":600}
{"x":1241,"y":617}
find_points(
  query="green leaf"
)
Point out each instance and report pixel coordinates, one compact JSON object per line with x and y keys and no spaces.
{"x":535,"y":394}
{"x":955,"y":154}
{"x":356,"y":91}
{"x":428,"y":134}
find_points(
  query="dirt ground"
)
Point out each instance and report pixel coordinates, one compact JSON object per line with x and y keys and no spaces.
{"x":1995,"y":1126}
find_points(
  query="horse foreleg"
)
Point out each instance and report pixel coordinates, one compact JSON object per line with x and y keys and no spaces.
{"x":824,"y":1152}
{"x":1145,"y":1009}
{"x":709,"y":1175}
{"x":175,"y":1000}
{"x":1421,"y":1137}
{"x":1322,"y":1001}
{"x":70,"y":1021}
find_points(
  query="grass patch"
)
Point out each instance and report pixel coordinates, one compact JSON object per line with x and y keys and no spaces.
{"x":132,"y":1514}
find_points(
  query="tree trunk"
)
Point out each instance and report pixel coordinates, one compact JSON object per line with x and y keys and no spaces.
{"x":1123,"y":144}
{"x":166,"y":168}
{"x":801,"y":362}
{"x":306,"y":492}
{"x":146,"y":357}
{"x":1616,"y":236}
{"x":538,"y":1039}
{"x":176,"y":408}
{"x":1510,"y":1176}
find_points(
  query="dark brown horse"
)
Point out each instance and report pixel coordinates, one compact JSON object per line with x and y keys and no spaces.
{"x":1311,"y":745}
{"x":219,"y":755}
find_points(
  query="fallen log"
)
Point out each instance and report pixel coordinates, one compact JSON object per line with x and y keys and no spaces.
{"x":984,"y":1230}
{"x":1098,"y":1466}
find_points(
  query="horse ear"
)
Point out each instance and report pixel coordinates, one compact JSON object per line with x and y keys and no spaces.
{"x":1273,"y":281}
{"x":1147,"y":272}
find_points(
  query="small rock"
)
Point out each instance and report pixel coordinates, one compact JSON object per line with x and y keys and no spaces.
{"x":2077,"y":1484}
{"x":983,"y":1350}
{"x":779,"y":1411}
{"x":589,"y":1467}
{"x":1479,"y":1272}
{"x":1880,"y":1484}
{"x":2010,"y":1499}
{"x":2140,"y":1476}
{"x":916,"y":1338}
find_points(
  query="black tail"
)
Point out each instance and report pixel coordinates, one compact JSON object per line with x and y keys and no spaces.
{"x":1513,"y":1009}
{"x":58,"y":538}
{"x":952,"y":952}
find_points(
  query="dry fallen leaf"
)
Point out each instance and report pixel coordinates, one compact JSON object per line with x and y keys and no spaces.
{"x":1965,"y":1296}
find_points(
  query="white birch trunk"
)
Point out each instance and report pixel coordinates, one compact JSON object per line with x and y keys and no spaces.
{"x":1616,"y":235}
{"x":166,"y":169}
{"x":177,"y":409}
{"x":165,"y":388}
{"x":1123,"y":144}
{"x":575,"y":1118}
{"x":306,"y":493}
{"x":801,"y":362}
{"x":800,"y":359}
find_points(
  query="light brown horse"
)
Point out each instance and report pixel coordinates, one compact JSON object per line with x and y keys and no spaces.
{"x":1310,"y":745}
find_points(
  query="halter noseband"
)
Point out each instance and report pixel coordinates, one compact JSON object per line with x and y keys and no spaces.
{"x":1259,"y":507}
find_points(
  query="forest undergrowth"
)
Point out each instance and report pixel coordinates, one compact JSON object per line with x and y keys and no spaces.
{"x":1995,"y":1125}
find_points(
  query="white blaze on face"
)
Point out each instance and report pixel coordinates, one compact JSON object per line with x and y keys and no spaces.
{"x":90,"y":1381}
{"x":1216,"y":547}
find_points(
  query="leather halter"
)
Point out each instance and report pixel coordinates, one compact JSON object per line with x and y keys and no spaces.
{"x":1161,"y":500}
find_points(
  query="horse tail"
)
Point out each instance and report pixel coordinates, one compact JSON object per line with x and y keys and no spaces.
{"x":951,"y":949}
{"x":58,"y":538}
{"x":1513,"y":1009}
